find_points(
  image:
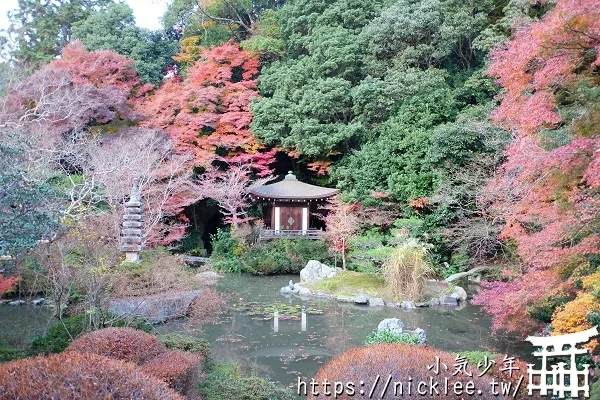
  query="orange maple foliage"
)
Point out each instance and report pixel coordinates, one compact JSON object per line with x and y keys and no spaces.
{"x":207,"y":113}
{"x":8,"y":283}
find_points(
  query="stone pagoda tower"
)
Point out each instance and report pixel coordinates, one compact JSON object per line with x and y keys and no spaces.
{"x":132,"y":232}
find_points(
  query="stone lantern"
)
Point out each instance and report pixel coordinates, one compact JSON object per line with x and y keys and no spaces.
{"x":132,"y":231}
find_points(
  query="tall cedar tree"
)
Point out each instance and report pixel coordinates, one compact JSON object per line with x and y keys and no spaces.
{"x":41,"y":28}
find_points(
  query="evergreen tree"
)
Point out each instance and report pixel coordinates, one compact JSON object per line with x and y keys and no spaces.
{"x":39,"y":29}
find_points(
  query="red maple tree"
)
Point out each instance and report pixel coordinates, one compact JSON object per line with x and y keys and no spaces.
{"x":70,"y":93}
{"x":207,"y":113}
{"x":342,"y":221}
{"x":8,"y":283}
{"x":547,"y":192}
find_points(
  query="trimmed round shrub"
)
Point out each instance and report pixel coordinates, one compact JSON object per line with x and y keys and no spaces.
{"x":176,"y":368}
{"x":401,"y":362}
{"x":227,"y":381}
{"x":192,"y":344}
{"x":79,"y":376}
{"x":121,"y":343}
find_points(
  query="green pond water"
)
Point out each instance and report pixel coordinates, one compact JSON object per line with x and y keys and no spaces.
{"x":246,"y":334}
{"x":245,"y":330}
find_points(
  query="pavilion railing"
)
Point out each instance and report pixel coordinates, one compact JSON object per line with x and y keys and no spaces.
{"x":270,"y":234}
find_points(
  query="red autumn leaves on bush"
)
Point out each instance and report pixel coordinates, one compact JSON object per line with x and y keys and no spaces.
{"x":73,"y":375}
{"x":548,"y":190}
{"x":125,"y":344}
{"x":7,"y":283}
{"x":175,"y":368}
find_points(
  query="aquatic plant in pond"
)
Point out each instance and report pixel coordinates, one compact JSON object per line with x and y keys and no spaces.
{"x":392,"y":337}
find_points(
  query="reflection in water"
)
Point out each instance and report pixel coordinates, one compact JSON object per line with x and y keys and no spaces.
{"x":303,"y":324}
{"x":289,"y":347}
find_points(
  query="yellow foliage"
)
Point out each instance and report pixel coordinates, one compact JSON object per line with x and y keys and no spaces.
{"x":591,"y":282}
{"x":572,"y":317}
{"x":190,"y":51}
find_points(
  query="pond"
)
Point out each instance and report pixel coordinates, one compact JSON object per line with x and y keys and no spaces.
{"x":246,"y":333}
{"x":18,"y":325}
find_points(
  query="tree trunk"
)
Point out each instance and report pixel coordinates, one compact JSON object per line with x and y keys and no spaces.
{"x":344,"y":254}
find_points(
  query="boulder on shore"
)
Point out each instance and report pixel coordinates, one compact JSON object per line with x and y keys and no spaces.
{"x":38,"y":302}
{"x":376,"y":302}
{"x":361,"y":299}
{"x":316,"y":271}
{"x":448,"y":300}
{"x":409,"y":305}
{"x":460,"y":293}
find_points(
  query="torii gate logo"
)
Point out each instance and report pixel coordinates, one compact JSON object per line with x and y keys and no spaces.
{"x":559,"y":380}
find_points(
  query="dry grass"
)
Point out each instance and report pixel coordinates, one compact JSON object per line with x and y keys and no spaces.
{"x":207,"y":306}
{"x":158,"y":272}
{"x":350,"y":283}
{"x":79,"y":376}
{"x":406,"y":271}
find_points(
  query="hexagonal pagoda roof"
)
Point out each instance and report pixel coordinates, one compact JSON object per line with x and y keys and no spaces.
{"x":292,"y":189}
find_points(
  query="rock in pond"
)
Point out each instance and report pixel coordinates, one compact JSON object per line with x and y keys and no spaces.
{"x":361,"y":299}
{"x":208,"y":278}
{"x":38,"y":302}
{"x":376,"y":302}
{"x":460,"y":293}
{"x":420,"y":333}
{"x":16,"y":303}
{"x":304,"y":292}
{"x":422,"y":304}
{"x":322,"y":296}
{"x":288,"y":290}
{"x":391,"y":324}
{"x":316,"y":271}
{"x":448,"y":301}
{"x":435,"y":301}
{"x":409,"y":305}
{"x":344,"y":299}
{"x":155,"y":308}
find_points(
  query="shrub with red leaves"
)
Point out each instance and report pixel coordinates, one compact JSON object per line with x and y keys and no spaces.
{"x":400,"y":362}
{"x":121,"y":343}
{"x":176,"y":368}
{"x":8,"y":283}
{"x":79,"y":376}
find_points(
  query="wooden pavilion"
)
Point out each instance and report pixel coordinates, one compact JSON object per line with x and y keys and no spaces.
{"x":288,"y":207}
